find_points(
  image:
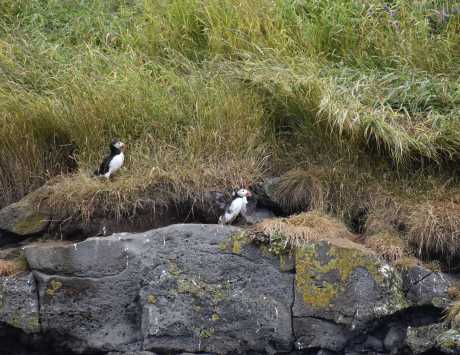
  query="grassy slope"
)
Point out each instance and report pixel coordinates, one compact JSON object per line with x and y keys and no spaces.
{"x":362,"y":96}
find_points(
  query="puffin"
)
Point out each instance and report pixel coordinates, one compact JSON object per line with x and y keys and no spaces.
{"x":236,"y":207}
{"x":113,"y":161}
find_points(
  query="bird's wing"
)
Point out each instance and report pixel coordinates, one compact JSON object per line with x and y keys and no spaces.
{"x":232,"y":211}
{"x":234,"y":207}
{"x":104,"y":168}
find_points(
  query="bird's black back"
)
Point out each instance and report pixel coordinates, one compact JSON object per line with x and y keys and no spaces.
{"x":104,"y":168}
{"x":105,"y":165}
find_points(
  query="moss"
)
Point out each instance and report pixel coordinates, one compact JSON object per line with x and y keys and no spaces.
{"x":174,"y":269}
{"x":287,"y":262}
{"x":323,"y":271}
{"x":190,"y":286}
{"x":234,"y":243}
{"x":15,"y":320}
{"x":53,"y":288}
{"x":33,"y":324}
{"x":151,"y":299}
{"x":22,"y":263}
{"x":217,"y":294}
{"x":449,"y":340}
{"x":206,"y":333}
{"x":215,"y":317}
{"x":278,"y":244}
{"x":31,"y":224}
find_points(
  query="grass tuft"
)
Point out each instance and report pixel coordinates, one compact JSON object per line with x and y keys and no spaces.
{"x":388,"y":245}
{"x":299,"y":190}
{"x":297,"y":230}
{"x":13,"y":267}
{"x":435,"y":229}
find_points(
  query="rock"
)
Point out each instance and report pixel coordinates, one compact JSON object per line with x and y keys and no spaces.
{"x":19,"y":305}
{"x":132,"y":353}
{"x":325,"y":352}
{"x":371,"y":344}
{"x":207,"y":208}
{"x":344,"y":283}
{"x":426,"y":287}
{"x":183,"y":288}
{"x":423,"y":339}
{"x":265,"y":195}
{"x":26,"y":217}
{"x":394,"y":339}
{"x":449,"y":342}
{"x":316,"y":333}
{"x":257,"y":215}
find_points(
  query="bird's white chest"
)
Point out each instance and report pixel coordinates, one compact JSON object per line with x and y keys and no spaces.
{"x":116,"y":162}
{"x":239,"y":205}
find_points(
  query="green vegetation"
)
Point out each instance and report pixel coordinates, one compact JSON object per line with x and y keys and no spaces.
{"x":362,"y":98}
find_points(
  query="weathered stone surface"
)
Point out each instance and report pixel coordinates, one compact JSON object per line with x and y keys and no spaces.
{"x":181,"y":288}
{"x":265,"y":194}
{"x":449,"y":341}
{"x":132,"y":353}
{"x":26,"y":217}
{"x":256,"y":215}
{"x":226,"y":298}
{"x":425,"y":287}
{"x":345,"y":284}
{"x":316,"y":333}
{"x":394,"y":339}
{"x":422,"y":339}
{"x":19,"y":303}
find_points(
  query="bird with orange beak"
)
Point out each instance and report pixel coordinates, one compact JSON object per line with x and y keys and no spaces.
{"x":236,"y":207}
{"x":113,"y":161}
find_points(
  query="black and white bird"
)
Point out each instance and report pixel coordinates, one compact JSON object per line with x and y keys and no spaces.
{"x":113,"y":161}
{"x":236,"y":207}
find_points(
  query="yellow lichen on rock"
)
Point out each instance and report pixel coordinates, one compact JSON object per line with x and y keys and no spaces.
{"x":322,"y":271}
{"x":53,"y":288}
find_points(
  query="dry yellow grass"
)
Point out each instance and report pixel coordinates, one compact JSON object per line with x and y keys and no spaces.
{"x":453,"y":314}
{"x":388,"y":245}
{"x":407,"y":262}
{"x":434,"y":228}
{"x":386,"y":213}
{"x":300,"y":190}
{"x":12,"y":267}
{"x":147,"y":188}
{"x":298,"y":230}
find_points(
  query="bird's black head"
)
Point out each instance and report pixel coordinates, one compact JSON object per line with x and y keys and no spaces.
{"x":116,"y":146}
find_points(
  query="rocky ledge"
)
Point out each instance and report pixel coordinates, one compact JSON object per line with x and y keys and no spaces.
{"x":193,"y":288}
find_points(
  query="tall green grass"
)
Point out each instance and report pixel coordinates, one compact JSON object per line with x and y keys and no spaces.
{"x":263,"y":84}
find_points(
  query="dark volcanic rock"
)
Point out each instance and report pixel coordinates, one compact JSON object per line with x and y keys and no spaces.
{"x":19,"y":303}
{"x":423,"y":339}
{"x":317,"y":333}
{"x":345,"y":284}
{"x":425,"y":287}
{"x":394,"y":339}
{"x":181,"y":288}
{"x":26,"y":217}
{"x":206,"y":289}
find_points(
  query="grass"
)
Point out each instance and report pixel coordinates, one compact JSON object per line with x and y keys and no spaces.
{"x":435,"y":228}
{"x":387,"y":245}
{"x":13,"y":267}
{"x":286,"y":234}
{"x":357,"y":103}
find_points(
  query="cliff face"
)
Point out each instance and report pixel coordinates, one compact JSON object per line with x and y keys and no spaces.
{"x":206,"y":289}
